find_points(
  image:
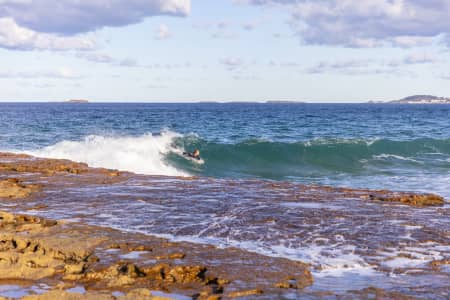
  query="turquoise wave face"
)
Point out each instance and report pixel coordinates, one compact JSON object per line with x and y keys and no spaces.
{"x":315,"y":159}
{"x":401,"y":147}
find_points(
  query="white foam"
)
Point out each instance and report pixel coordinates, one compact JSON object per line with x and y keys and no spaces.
{"x":133,"y":255}
{"x":142,"y":154}
{"x":327,"y":260}
{"x":413,"y":257}
{"x":392,"y":156}
{"x":310,"y":205}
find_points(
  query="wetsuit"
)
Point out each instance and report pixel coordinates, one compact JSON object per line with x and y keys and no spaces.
{"x":191,"y":155}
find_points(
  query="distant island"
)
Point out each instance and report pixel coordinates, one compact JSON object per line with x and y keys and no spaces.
{"x":422,"y":99}
{"x":77,"y":101}
{"x":282,"y":102}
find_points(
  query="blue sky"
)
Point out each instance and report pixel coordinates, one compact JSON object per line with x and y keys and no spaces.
{"x":223,"y":50}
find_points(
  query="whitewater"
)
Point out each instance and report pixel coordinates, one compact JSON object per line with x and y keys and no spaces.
{"x":354,"y":145}
{"x":245,"y":194}
{"x":380,"y":164}
{"x":142,"y":155}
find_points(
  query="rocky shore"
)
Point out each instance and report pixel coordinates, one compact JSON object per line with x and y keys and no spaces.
{"x":44,"y":258}
{"x":108,"y":263}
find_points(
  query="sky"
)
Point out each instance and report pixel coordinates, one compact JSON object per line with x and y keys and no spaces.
{"x":223,"y":50}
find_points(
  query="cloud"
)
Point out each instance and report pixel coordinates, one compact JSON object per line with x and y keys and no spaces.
{"x":70,"y":17}
{"x":232,"y":63}
{"x":347,"y":67}
{"x":248,"y":26}
{"x":163,"y":32}
{"x":371,"y":66}
{"x":228,"y":35}
{"x":283,"y":64}
{"x":414,"y":59}
{"x":103,"y":58}
{"x":13,"y":36}
{"x":245,"y":77}
{"x":368,"y":23}
{"x":96,"y":57}
{"x":61,"y":73}
{"x":223,"y":24}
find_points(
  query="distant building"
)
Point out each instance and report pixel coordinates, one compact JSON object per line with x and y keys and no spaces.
{"x":422,"y":99}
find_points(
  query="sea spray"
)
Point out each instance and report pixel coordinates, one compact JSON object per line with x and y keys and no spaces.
{"x":161,"y":154}
{"x":143,"y":154}
{"x":364,"y":163}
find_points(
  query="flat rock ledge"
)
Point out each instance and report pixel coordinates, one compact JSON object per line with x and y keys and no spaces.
{"x":14,"y":188}
{"x":110,"y":264}
{"x":78,"y":261}
{"x":418,"y":200}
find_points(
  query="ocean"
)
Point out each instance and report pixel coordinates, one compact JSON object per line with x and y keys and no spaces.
{"x":248,"y":190}
{"x":379,"y":146}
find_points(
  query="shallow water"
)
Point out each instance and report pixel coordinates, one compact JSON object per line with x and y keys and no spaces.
{"x":16,"y":291}
{"x":350,"y":242}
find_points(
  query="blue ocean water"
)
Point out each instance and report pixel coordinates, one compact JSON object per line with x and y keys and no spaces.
{"x":385,"y":146}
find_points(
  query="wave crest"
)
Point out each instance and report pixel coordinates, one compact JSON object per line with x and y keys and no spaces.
{"x":160,"y":154}
{"x":143,"y":154}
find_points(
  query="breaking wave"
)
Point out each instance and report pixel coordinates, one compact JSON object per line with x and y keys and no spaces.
{"x":160,"y":154}
{"x":143,"y":154}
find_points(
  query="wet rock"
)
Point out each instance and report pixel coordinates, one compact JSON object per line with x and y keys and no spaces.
{"x":130,"y":247}
{"x":15,"y":189}
{"x":247,"y":293}
{"x":377,"y":293}
{"x":439,"y":263}
{"x":48,"y":223}
{"x":48,"y":166}
{"x":418,"y":200}
{"x":296,"y":282}
{"x":171,"y":256}
{"x":131,"y":270}
{"x":74,"y":268}
{"x":40,"y":249}
{"x":136,"y":294}
{"x":186,"y":274}
{"x":157,"y":272}
{"x":63,"y":295}
{"x":140,"y":248}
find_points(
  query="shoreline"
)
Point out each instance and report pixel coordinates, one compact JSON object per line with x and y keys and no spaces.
{"x":105,"y":261}
{"x":109,"y":263}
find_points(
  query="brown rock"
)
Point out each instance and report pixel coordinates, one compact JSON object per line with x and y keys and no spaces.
{"x":15,"y":189}
{"x":238,"y":294}
{"x":63,"y":295}
{"x":75,"y":268}
{"x":185,"y":274}
{"x":418,"y":200}
{"x":172,"y":256}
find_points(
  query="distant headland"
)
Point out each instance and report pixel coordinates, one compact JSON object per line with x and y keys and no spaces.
{"x":77,"y":101}
{"x":422,"y":99}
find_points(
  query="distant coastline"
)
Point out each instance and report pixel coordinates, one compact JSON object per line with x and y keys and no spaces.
{"x":283,"y":102}
{"x":422,"y":99}
{"x":77,"y":101}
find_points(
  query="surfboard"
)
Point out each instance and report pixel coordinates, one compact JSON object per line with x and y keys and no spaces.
{"x":187,"y":157}
{"x":194,"y":160}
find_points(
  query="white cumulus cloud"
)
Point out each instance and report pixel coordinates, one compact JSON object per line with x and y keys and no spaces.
{"x":61,"y":73}
{"x":366,"y":23}
{"x":13,"y":36}
{"x":70,"y":17}
{"x":163,"y":32}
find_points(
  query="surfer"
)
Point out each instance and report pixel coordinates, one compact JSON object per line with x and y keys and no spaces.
{"x":195,"y":154}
